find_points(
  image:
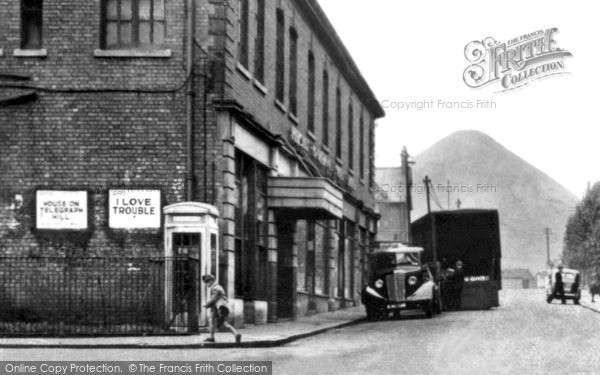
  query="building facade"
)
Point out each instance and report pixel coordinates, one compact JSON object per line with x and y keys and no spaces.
{"x":394,"y":202}
{"x":127,"y":107}
{"x":391,"y":205}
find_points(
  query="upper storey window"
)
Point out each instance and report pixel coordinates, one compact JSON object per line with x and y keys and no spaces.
{"x":243,"y":33}
{"x":31,"y":24}
{"x":279,"y":57}
{"x":133,"y":23}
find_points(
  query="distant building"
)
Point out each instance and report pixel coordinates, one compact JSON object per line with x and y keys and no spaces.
{"x":391,"y":203}
{"x":518,"y":278}
{"x":542,"y":279}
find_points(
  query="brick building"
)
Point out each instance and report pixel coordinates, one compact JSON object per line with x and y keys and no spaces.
{"x":392,"y":206}
{"x":252,"y":106}
{"x":394,"y":202}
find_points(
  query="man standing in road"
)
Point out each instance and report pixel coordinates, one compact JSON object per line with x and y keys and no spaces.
{"x":559,"y":288}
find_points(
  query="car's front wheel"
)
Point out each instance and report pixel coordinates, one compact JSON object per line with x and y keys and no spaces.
{"x":376,"y":312}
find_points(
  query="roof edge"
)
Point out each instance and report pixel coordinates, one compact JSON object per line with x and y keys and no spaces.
{"x":333,"y":43}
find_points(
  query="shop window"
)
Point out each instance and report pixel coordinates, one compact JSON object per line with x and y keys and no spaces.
{"x":293,"y":71}
{"x":300,"y":239}
{"x":362,"y":243}
{"x":310,"y":257}
{"x":321,"y":261}
{"x":243,"y":33}
{"x":31,"y":24}
{"x":341,"y":260}
{"x":133,"y":23}
{"x":280,"y":57}
{"x":259,"y":43}
{"x":251,"y":220}
{"x":349,"y":262}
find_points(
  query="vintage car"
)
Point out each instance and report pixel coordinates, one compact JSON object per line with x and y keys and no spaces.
{"x":571,"y":284}
{"x":398,"y":281}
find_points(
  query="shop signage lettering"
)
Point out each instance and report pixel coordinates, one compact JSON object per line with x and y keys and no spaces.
{"x":327,"y":166}
{"x":134,"y":209}
{"x":61,"y":210}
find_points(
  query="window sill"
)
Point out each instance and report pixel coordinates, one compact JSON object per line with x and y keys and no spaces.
{"x":294,"y":118}
{"x":259,"y":86}
{"x":281,"y":106}
{"x":362,"y":181}
{"x":326,"y":149}
{"x":30,"y":52}
{"x":311,"y":135}
{"x":244,"y":71}
{"x":158,"y":53}
{"x":351,"y":172}
{"x":338,"y":161}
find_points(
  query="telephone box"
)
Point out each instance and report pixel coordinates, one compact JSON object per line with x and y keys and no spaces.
{"x":191,"y":250}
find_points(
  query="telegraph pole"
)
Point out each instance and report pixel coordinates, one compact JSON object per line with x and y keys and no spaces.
{"x":548,"y":246}
{"x":407,"y":182}
{"x":448,"y":187}
{"x":427,"y":181}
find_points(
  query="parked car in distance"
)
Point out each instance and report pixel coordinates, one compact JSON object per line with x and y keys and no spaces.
{"x":397,"y":280}
{"x":571,"y":284}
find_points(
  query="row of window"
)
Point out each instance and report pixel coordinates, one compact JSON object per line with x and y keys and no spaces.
{"x":313,"y":258}
{"x":292,"y":85}
{"x":125,"y":24}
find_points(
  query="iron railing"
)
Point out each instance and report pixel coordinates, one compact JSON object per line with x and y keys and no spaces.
{"x":98,"y":296}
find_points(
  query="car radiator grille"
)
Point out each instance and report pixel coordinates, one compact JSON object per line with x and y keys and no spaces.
{"x":395,"y":286}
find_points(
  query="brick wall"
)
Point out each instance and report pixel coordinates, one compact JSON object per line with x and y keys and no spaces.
{"x":258,"y":99}
{"x":94,"y":140}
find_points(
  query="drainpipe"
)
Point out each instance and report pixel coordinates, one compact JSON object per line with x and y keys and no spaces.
{"x":190,"y":101}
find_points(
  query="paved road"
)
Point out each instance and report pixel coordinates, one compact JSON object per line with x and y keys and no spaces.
{"x":524,"y":336}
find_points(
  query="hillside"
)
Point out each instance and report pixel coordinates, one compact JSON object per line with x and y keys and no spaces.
{"x":484,"y":174}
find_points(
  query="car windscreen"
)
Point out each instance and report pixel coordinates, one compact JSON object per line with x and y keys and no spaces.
{"x":407,"y":259}
{"x":385,"y":262}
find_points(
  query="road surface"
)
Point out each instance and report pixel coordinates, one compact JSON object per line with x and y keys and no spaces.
{"x":524,"y":336}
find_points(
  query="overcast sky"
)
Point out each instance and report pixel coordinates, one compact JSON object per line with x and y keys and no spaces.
{"x":414,"y":51}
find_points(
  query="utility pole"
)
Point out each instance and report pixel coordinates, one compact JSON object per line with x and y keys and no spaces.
{"x":427,"y":181}
{"x":448,"y":187}
{"x":548,"y":246}
{"x":407,"y":182}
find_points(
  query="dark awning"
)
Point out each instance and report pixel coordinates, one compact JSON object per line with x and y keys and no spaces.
{"x":16,"y":96}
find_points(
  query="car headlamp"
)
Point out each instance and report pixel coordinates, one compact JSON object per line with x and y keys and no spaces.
{"x":412,"y":280}
{"x":379,"y":284}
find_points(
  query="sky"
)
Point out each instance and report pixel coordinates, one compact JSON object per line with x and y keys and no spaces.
{"x":414,"y":51}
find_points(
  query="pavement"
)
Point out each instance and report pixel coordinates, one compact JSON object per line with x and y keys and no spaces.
{"x":259,"y":336}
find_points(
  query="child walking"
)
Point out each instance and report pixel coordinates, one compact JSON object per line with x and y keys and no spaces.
{"x":219,"y":312}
